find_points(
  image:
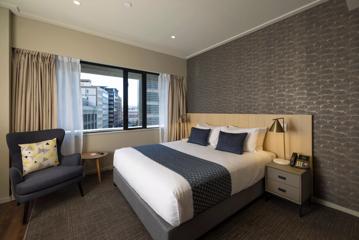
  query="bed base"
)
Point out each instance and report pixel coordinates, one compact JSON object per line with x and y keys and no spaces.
{"x":194,"y":228}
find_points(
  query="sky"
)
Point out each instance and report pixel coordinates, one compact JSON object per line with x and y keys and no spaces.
{"x":115,"y":82}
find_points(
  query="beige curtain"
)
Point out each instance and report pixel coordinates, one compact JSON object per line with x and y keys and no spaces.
{"x":177,"y":125}
{"x":33,"y":91}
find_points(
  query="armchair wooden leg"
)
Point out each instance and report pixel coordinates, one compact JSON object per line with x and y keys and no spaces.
{"x":81,"y":190}
{"x":27,"y":212}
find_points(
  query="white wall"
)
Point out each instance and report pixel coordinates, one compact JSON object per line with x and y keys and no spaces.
{"x":44,"y":37}
{"x":4,"y":101}
{"x":110,"y":141}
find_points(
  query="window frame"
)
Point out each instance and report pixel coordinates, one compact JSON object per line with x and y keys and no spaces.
{"x":126,"y":71}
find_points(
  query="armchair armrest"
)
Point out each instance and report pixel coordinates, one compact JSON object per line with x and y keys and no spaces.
{"x":15,"y":176}
{"x":71,"y":160}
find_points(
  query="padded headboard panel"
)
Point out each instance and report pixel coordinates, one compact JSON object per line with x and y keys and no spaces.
{"x":298,"y":135}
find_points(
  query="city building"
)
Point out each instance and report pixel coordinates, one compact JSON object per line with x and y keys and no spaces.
{"x":134,"y":117}
{"x":152,"y":100}
{"x":95,"y":104}
{"x":115,"y":115}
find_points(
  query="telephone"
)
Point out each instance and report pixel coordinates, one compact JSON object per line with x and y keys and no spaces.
{"x":293,"y":159}
{"x":299,"y":161}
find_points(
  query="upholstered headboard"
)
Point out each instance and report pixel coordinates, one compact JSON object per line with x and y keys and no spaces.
{"x":298,"y":136}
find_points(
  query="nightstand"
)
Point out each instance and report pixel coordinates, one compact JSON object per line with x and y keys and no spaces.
{"x":287,"y":182}
{"x":98,"y":156}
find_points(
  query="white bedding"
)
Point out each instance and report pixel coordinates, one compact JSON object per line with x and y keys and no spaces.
{"x":168,"y":193}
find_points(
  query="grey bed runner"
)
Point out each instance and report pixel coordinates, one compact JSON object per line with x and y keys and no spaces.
{"x":210,"y":182}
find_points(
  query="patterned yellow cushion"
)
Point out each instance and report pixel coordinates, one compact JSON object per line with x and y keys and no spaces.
{"x":40,"y":155}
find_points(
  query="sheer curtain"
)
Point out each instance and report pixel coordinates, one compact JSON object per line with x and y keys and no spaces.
{"x":69,"y":102}
{"x":163,"y":86}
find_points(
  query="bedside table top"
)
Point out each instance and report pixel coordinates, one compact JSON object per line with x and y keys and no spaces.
{"x":287,"y":168}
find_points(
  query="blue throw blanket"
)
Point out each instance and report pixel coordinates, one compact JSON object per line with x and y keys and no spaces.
{"x":210,"y":182}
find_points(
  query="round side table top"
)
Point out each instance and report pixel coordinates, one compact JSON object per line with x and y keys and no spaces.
{"x":93,"y":155}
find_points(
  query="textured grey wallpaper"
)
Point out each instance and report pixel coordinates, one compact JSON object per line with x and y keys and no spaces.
{"x":306,"y":64}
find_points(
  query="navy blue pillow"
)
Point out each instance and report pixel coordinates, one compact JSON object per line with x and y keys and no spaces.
{"x":231,"y":142}
{"x":199,"y":136}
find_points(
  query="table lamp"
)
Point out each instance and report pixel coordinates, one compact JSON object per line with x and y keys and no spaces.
{"x":277,"y":127}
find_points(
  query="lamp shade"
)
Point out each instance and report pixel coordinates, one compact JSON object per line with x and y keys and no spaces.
{"x":276,"y":127}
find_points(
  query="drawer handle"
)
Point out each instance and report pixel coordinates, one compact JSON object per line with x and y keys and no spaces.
{"x":281,"y":177}
{"x":282,"y":190}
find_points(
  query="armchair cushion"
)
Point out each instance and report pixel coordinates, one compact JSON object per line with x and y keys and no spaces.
{"x":71,"y":160}
{"x":46,"y":178}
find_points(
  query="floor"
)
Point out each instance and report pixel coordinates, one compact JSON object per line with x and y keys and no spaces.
{"x":104,"y":214}
{"x":11,"y":226}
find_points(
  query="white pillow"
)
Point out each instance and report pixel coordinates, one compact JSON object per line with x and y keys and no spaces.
{"x":214,"y":135}
{"x":261,"y":137}
{"x":203,"y":126}
{"x":254,"y":139}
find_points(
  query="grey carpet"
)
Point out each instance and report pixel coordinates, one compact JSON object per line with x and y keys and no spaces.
{"x":104,"y":214}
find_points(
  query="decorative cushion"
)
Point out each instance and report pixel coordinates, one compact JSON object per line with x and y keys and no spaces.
{"x":213,"y":136}
{"x":231,"y":142}
{"x":255,"y":137}
{"x":40,"y":155}
{"x":199,"y":136}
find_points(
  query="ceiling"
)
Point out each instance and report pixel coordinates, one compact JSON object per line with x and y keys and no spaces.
{"x":198,"y":25}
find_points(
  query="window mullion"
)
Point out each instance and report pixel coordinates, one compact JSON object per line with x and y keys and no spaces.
{"x":144,"y":100}
{"x":125,"y":100}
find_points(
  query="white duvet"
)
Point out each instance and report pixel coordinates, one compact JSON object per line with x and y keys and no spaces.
{"x":168,"y":193}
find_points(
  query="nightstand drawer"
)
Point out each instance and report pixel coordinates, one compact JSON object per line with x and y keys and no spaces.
{"x":283,"y":190}
{"x":283,"y":177}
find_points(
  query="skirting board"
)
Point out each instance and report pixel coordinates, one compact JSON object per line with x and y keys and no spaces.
{"x":5,"y":199}
{"x":335,"y":206}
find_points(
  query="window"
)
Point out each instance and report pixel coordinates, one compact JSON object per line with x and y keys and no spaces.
{"x":118,"y":98}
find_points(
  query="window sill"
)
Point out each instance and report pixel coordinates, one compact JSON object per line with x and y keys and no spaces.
{"x":118,"y":130}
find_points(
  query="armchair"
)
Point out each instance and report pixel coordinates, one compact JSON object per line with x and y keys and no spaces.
{"x":36,"y":184}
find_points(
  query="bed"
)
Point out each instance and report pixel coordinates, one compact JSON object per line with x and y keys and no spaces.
{"x":164,"y":200}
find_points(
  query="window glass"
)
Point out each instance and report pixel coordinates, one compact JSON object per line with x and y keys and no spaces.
{"x":102,"y":100}
{"x":134,"y":100}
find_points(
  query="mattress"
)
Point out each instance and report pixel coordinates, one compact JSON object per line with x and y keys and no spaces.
{"x":168,"y":193}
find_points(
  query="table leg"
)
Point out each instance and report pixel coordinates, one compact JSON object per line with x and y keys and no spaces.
{"x":98,"y":170}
